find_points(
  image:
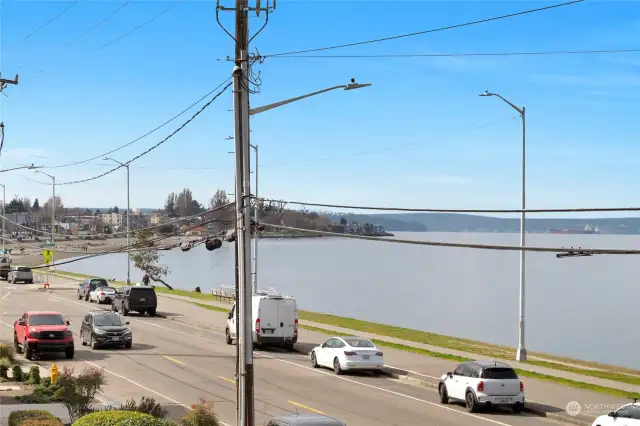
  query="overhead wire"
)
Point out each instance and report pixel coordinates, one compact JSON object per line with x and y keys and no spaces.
{"x":47,"y":23}
{"x":138,"y":27}
{"x":413,"y":34}
{"x":429,"y":210}
{"x":457,"y":55}
{"x":456,"y":245}
{"x":146,"y":151}
{"x":94,"y":27}
{"x":75,"y":163}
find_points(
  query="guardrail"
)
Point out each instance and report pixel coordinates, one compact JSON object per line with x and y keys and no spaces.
{"x":225,"y":293}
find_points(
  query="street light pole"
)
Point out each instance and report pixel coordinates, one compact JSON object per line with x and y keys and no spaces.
{"x":4,"y":210}
{"x":126,"y":165}
{"x":521,"y":354}
{"x":256,"y":232}
{"x":53,"y":208}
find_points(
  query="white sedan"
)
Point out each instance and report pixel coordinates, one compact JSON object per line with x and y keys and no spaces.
{"x":102,"y":295}
{"x":347,"y":353}
{"x":627,"y":415}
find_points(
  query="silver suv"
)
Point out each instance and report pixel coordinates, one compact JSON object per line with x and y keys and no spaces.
{"x":306,"y":420}
{"x":21,"y":273}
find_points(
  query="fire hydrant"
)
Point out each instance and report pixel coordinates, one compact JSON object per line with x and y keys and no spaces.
{"x":54,"y":373}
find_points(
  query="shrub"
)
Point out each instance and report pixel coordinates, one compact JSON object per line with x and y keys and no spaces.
{"x":121,"y":418}
{"x":48,"y":422}
{"x":78,"y":393}
{"x":34,"y":375}
{"x":5,"y":365}
{"x":18,"y":375}
{"x":201,"y":415}
{"x":147,"y":405}
{"x":17,"y":418}
{"x":6,"y":351}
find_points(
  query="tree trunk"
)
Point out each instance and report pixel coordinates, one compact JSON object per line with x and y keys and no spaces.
{"x":159,"y":280}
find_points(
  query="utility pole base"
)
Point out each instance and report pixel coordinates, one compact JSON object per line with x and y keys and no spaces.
{"x":521,"y":354}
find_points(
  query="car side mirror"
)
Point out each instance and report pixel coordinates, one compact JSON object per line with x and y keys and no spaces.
{"x":450,"y":374}
{"x":612,"y":414}
{"x":230,"y":315}
{"x":127,"y":323}
{"x":68,"y":322}
{"x":21,"y":323}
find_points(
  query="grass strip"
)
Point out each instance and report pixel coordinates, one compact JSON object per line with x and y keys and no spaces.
{"x":601,"y":371}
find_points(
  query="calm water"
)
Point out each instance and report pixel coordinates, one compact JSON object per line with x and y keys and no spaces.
{"x":581,"y":307}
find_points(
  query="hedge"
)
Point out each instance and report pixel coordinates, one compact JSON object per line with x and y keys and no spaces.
{"x":17,"y":418}
{"x":121,"y":418}
{"x":42,"y":423}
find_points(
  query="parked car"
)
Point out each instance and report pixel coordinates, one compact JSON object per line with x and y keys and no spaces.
{"x":627,"y":415}
{"x":42,"y":331}
{"x":305,"y":420}
{"x":483,"y":383}
{"x":21,"y":273}
{"x":102,"y":295}
{"x":5,"y":266}
{"x":104,"y":328}
{"x":275,"y":318}
{"x":348,"y":353}
{"x":90,"y":284}
{"x":139,"y":298}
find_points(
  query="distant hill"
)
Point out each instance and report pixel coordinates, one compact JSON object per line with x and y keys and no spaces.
{"x":455,"y":222}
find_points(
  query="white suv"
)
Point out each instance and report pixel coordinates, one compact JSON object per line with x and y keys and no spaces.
{"x":483,"y":383}
{"x":628,"y":415}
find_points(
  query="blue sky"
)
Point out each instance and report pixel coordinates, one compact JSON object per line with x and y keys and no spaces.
{"x":419,"y":137}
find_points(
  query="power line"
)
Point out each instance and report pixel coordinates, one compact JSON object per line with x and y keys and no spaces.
{"x":146,"y":151}
{"x":125,"y":4}
{"x":75,"y":163}
{"x":419,"y":210}
{"x":138,"y":27}
{"x":449,"y":27}
{"x":43,"y":26}
{"x":457,"y":245}
{"x":457,"y":55}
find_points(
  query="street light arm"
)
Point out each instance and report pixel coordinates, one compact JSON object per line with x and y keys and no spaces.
{"x":46,"y":174}
{"x":31,"y":167}
{"x":520,"y":110}
{"x":116,"y":161}
{"x":254,"y":111}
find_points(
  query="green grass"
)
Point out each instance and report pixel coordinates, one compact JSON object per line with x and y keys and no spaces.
{"x":585,"y":368}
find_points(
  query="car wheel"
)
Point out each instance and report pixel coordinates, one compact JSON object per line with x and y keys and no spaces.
{"x":86,"y":298}
{"x":517,"y":407}
{"x":442,"y":391}
{"x":336,"y":366}
{"x":471,"y":402}
{"x":29,"y":281}
{"x":128,"y":345}
{"x":69,"y":353}
{"x":152,"y":312}
{"x":314,"y":360}
{"x":79,"y":296}
{"x":288,"y":347}
{"x":28,"y":352}
{"x":16,"y":346}
{"x":125,"y":311}
{"x":93,"y":343}
{"x":227,"y":337}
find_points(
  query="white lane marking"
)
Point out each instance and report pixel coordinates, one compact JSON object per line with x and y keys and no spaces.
{"x":328,"y":374}
{"x":414,"y":372}
{"x":5,"y":295}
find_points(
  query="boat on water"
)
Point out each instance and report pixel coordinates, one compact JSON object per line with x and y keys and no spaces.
{"x":588,"y":229}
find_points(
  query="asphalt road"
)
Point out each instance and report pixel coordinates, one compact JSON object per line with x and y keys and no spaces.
{"x":178,"y":364}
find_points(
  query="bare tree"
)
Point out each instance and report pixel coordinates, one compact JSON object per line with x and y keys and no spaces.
{"x":46,"y":209}
{"x":220,"y":198}
{"x":170,"y":204}
{"x":184,"y":202}
{"x":146,"y":257}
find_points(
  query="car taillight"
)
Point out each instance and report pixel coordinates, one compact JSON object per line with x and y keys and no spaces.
{"x":349,"y":353}
{"x":521,"y":387}
{"x":102,"y":293}
{"x":480,"y":387}
{"x":295,"y":325}
{"x":258,"y":326}
{"x":379,"y":353}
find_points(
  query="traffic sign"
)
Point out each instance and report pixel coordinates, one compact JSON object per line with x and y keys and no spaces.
{"x":48,"y":255}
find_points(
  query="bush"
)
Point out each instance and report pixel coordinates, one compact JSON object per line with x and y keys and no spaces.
{"x":48,"y":422}
{"x":78,"y":393}
{"x":121,"y":418}
{"x":6,"y":351}
{"x":18,"y":375}
{"x":34,"y":375}
{"x":5,"y":365}
{"x":17,"y":418}
{"x":201,"y":415}
{"x":147,"y":406}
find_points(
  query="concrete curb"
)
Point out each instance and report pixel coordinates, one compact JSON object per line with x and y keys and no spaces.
{"x":402,"y":375}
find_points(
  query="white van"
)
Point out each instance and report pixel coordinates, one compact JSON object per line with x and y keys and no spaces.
{"x":275,"y":321}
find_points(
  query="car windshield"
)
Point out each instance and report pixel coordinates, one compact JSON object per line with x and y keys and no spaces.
{"x":107,"y":320}
{"x":499,"y":373}
{"x":99,"y":283}
{"x":355,"y":342}
{"x":23,"y":269}
{"x":46,"y":319}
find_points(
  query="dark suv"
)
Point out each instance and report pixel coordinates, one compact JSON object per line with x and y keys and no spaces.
{"x":104,"y":328}
{"x":139,"y":298}
{"x":90,"y":284}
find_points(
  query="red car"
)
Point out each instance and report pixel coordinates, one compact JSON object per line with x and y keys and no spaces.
{"x":42,"y":331}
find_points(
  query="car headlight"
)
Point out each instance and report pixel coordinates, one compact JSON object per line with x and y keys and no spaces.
{"x":100,"y":332}
{"x":127,"y":331}
{"x":68,"y":333}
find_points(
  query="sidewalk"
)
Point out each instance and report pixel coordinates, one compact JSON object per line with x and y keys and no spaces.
{"x":545,"y":398}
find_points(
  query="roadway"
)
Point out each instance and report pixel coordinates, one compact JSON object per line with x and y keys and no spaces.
{"x":178,"y":364}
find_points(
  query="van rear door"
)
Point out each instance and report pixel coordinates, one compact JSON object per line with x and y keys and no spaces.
{"x":287,"y":314}
{"x":268,"y":314}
